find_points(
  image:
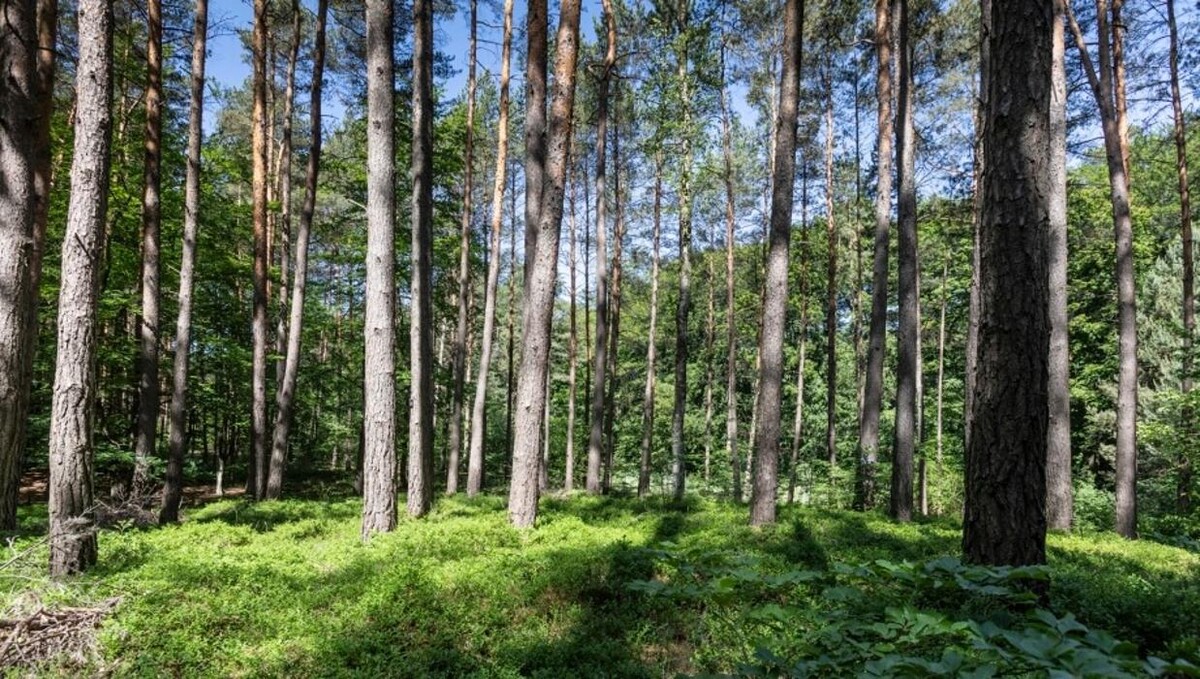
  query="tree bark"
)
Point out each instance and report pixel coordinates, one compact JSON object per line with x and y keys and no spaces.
{"x":774,"y":316}
{"x":173,"y":486}
{"x":868,"y":427}
{"x":831,"y":273}
{"x":379,"y":323}
{"x":731,"y":397}
{"x":284,"y":178}
{"x":572,"y":350}
{"x":683,"y":304}
{"x":972,"y":343}
{"x":941,"y":372}
{"x":536,"y":58}
{"x":908,"y":340}
{"x":454,"y":444}
{"x":420,"y":418}
{"x":285,"y":400}
{"x":257,"y":481}
{"x":541,"y":271}
{"x":72,"y":527}
{"x":600,"y":354}
{"x":651,"y":337}
{"x":1059,"y":503}
{"x":479,"y":406}
{"x":1004,"y":519}
{"x":147,"y":419}
{"x":1183,"y":495}
{"x":798,"y":420}
{"x":614,"y":334}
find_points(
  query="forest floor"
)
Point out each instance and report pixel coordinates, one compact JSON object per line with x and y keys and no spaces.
{"x":286,"y":588}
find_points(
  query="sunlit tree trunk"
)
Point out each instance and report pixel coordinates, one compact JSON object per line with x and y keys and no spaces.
{"x":256,"y":480}
{"x":683,"y":304}
{"x":651,"y":338}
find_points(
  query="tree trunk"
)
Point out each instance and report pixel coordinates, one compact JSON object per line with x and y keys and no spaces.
{"x":285,"y":400}
{"x":614,"y":334}
{"x":972,"y":343}
{"x":831,"y":273}
{"x":536,"y":28}
{"x":541,"y":271}
{"x":941,"y":368}
{"x":147,"y":420}
{"x":173,"y":487}
{"x":454,"y":444}
{"x":284,"y":177}
{"x":1058,"y":444}
{"x":1004,"y":518}
{"x":1110,"y":104}
{"x":379,"y":323}
{"x":798,"y":420}
{"x":1183,"y":495}
{"x":572,"y":350}
{"x":600,"y":354}
{"x":420,"y":418}
{"x":908,"y":340}
{"x":72,"y":527}
{"x":683,"y":305}
{"x":257,"y":481}
{"x":651,"y":338}
{"x":774,"y":316}
{"x":510,"y":321}
{"x":731,"y":397}
{"x":479,"y":406}
{"x":868,"y":427}
{"x":709,"y":332}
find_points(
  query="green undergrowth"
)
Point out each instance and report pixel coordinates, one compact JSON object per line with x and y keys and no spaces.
{"x":287,"y":589}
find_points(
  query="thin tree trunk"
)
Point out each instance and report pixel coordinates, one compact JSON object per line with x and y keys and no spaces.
{"x":454,"y":444}
{"x":72,"y":527}
{"x":972,"y":343}
{"x":731,"y":398}
{"x":798,"y":421}
{"x":256,"y":479}
{"x":541,"y":272}
{"x":479,"y":406}
{"x":544,"y":469}
{"x":147,"y":420}
{"x":572,"y":350}
{"x":1059,"y":504}
{"x":941,"y":368}
{"x":285,"y":401}
{"x":420,"y":418}
{"x":774,"y":316}
{"x":614,"y":334}
{"x":908,"y":340}
{"x":1004,"y":517}
{"x":536,"y":28}
{"x":173,"y":487}
{"x":831,"y":273}
{"x":709,"y":332}
{"x":684,"y":303}
{"x":1183,"y":495}
{"x":868,"y":429}
{"x":652,"y":338}
{"x":600,"y":354}
{"x":510,"y":321}
{"x":379,"y":324}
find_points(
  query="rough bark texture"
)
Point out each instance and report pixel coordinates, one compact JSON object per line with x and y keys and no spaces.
{"x":600,"y":354}
{"x":1059,"y":503}
{"x":908,"y":359}
{"x":651,"y":338}
{"x":420,"y":417}
{"x":72,"y":527}
{"x":766,"y":442}
{"x":454,"y":442}
{"x":536,"y":51}
{"x":868,"y":428}
{"x":541,"y":271}
{"x":1183,"y":497}
{"x":173,"y":487}
{"x":285,"y":399}
{"x":1004,"y":517}
{"x":18,"y":120}
{"x":147,"y":420}
{"x":256,"y":478}
{"x":379,"y":388}
{"x":479,"y":406}
{"x":972,"y":343}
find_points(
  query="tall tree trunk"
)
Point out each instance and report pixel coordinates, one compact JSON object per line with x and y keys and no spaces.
{"x":479,"y":406}
{"x":600,"y":354}
{"x":420,"y":418}
{"x":651,"y":337}
{"x":510,"y":321}
{"x":19,"y":118}
{"x":284,"y":179}
{"x":614,"y":334}
{"x":173,"y":487}
{"x":868,"y":427}
{"x":908,"y":340}
{"x":151,"y":221}
{"x":1004,"y":519}
{"x":774,"y":316}
{"x":1183,"y":495}
{"x":1111,"y":115}
{"x":572,"y":350}
{"x":541,"y":271}
{"x":731,"y":419}
{"x":798,"y":420}
{"x":285,"y":399}
{"x":941,"y":368}
{"x":72,"y":527}
{"x":1059,"y":503}
{"x":536,"y":58}
{"x":379,"y":323}
{"x":709,"y":332}
{"x":831,"y":273}
{"x":454,"y":444}
{"x":256,"y":480}
{"x":683,"y":305}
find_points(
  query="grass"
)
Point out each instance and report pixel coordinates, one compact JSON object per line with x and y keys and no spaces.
{"x":287,"y":589}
